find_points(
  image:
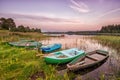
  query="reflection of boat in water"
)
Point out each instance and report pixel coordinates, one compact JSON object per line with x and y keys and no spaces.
{"x":91,"y":59}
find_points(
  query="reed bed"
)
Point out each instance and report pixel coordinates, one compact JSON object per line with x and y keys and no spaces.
{"x":111,"y":41}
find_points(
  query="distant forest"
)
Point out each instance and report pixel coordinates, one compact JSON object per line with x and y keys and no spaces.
{"x":111,"y":29}
{"x":9,"y":24}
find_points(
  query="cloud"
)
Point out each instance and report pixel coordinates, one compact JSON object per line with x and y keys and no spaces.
{"x":109,"y":12}
{"x":79,"y":6}
{"x":39,"y":18}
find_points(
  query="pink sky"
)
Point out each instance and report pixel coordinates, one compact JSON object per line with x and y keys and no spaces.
{"x":62,"y":15}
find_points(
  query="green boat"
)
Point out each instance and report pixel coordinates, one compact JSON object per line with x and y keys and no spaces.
{"x":64,"y":56}
{"x":25,"y":43}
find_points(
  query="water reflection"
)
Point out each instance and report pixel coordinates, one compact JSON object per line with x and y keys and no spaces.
{"x":110,"y":68}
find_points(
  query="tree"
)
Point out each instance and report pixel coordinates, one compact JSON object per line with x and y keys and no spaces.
{"x":21,"y":28}
{"x":32,"y":30}
{"x":0,"y":25}
{"x":4,"y":24}
{"x":27,"y":29}
{"x":7,"y":24}
{"x":37,"y":30}
{"x":11,"y":24}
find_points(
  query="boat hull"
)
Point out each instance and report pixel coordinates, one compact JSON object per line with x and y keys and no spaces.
{"x":51,"y":48}
{"x":81,"y":66}
{"x":23,"y":44}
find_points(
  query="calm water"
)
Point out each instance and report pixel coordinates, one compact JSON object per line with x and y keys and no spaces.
{"x":109,"y":68}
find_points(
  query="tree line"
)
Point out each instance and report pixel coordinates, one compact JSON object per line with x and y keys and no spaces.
{"x":9,"y":24}
{"x":110,"y":29}
{"x":115,"y":28}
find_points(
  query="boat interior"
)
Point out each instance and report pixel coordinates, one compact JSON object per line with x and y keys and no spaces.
{"x":89,"y":58}
{"x":63,"y":54}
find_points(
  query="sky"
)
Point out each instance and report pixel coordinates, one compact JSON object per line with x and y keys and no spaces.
{"x":62,"y":15}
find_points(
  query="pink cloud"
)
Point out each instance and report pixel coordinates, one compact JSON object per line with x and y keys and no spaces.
{"x":109,"y":12}
{"x":39,"y":18}
{"x":79,"y":6}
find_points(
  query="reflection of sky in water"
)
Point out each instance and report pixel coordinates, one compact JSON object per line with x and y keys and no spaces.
{"x":76,"y":41}
{"x":82,"y":42}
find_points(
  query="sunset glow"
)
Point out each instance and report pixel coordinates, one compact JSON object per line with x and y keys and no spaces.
{"x":62,"y":15}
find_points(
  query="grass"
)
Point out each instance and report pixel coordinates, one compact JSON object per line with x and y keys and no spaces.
{"x":14,"y":36}
{"x":21,"y":63}
{"x":17,"y":63}
{"x":113,"y":41}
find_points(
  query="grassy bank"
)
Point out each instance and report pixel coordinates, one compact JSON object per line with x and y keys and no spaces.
{"x":21,"y":63}
{"x":13,"y":36}
{"x":112,"y":41}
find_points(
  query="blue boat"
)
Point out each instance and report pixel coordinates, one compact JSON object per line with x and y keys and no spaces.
{"x":51,"y":47}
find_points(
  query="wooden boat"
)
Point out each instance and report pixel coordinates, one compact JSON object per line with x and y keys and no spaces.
{"x":25,"y":43}
{"x":64,"y":56}
{"x":55,"y":35}
{"x":89,"y":60}
{"x":51,"y":47}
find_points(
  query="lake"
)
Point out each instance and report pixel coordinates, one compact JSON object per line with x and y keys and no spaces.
{"x":108,"y":69}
